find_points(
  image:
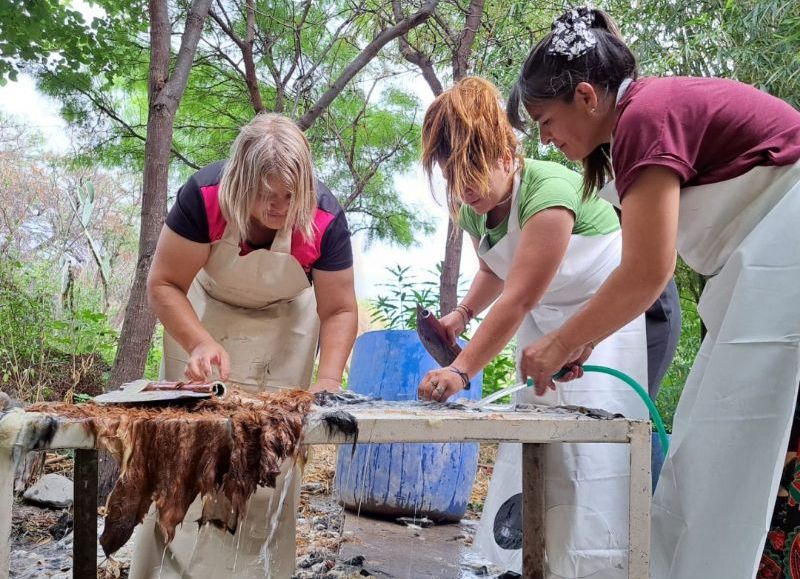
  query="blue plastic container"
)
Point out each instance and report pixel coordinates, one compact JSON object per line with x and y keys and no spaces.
{"x":433,"y":480}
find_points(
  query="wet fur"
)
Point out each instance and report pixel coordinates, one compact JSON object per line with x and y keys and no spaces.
{"x":219,"y":449}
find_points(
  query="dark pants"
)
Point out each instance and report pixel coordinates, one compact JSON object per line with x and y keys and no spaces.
{"x":663,"y":327}
{"x":663,"y":322}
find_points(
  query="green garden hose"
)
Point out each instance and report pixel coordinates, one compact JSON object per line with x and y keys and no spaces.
{"x":651,"y":407}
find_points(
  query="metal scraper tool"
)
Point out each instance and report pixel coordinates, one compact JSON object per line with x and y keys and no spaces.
{"x":511,"y":389}
{"x":140,"y":391}
{"x":483,"y":402}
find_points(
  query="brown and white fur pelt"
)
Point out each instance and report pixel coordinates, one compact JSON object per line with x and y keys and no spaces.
{"x":219,"y":449}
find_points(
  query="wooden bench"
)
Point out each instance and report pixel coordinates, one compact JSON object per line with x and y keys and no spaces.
{"x":532,"y":428}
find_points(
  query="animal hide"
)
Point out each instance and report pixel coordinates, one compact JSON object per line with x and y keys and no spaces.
{"x":219,"y":449}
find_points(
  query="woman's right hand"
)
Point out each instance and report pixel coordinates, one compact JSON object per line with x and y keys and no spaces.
{"x":453,"y":323}
{"x":203,"y":356}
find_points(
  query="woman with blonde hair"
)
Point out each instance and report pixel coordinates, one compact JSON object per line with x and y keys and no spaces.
{"x":252,"y":269}
{"x":543,"y":250}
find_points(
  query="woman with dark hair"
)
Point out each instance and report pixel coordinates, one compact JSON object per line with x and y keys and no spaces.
{"x":708,"y":167}
{"x":543,"y":252}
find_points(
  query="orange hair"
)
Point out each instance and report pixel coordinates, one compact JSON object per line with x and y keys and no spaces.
{"x":466,"y":131}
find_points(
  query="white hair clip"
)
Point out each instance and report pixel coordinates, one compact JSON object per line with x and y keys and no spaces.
{"x":572,"y":33}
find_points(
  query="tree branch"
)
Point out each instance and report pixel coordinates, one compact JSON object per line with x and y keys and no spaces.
{"x":363,"y":59}
{"x":414,"y":56}
{"x":183,"y":63}
{"x":466,"y":39}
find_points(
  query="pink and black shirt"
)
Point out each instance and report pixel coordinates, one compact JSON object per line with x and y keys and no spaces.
{"x":196,"y":215}
{"x":707,"y":130}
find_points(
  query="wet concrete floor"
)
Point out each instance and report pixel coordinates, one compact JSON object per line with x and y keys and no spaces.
{"x":410,"y":552}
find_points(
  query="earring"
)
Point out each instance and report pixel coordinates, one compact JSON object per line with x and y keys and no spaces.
{"x":593,"y":110}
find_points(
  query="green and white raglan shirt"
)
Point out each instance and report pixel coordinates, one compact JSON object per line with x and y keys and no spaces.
{"x":544,"y":184}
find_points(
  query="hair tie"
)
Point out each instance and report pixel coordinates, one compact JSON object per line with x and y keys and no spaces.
{"x":572,"y":34}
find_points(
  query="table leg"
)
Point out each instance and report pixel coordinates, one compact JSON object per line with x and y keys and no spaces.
{"x":85,"y":514}
{"x":640,"y":501}
{"x":7,"y":468}
{"x":533,"y":509}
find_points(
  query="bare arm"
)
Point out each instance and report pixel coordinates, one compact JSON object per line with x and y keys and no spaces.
{"x":542,"y":247}
{"x":485,"y":287}
{"x":175,"y":265}
{"x":483,"y":290}
{"x":338,"y":316}
{"x":649,"y":225}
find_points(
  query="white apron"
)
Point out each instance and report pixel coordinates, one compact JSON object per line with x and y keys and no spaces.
{"x":714,"y":501}
{"x":586,"y":496}
{"x":261,"y":308}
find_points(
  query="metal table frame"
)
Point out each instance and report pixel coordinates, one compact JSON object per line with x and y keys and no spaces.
{"x":532,"y":429}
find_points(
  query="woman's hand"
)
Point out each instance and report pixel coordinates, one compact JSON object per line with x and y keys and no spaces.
{"x":440,"y":385}
{"x":203,"y":356}
{"x":326,"y":384}
{"x":547,"y":356}
{"x":453,"y":323}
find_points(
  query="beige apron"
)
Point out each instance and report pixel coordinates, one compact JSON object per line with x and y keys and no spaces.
{"x":261,"y":308}
{"x":586,"y":522}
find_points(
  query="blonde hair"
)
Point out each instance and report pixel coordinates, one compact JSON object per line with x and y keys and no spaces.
{"x":466,"y":131}
{"x":270,"y":145}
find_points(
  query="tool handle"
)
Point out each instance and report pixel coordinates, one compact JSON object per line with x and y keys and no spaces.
{"x":435,"y":325}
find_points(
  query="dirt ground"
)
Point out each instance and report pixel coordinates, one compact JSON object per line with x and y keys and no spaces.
{"x":42,"y":539}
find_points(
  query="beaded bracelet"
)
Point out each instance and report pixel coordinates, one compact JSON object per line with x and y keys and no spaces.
{"x":462,"y":375}
{"x":466,"y":313}
{"x":464,"y":317}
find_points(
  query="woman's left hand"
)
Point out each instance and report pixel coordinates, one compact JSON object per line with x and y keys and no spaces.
{"x":439,"y":385}
{"x":328,"y":384}
{"x":547,"y":356}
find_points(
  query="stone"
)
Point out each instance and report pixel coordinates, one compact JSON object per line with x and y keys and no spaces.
{"x":357,"y":561}
{"x":415,"y":522}
{"x":52,"y":490}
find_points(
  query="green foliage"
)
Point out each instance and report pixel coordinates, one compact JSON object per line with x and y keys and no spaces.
{"x":397,"y":310}
{"x":44,"y":354}
{"x":371,"y":139}
{"x":152,"y":367}
{"x":755,"y":41}
{"x":366,"y":136}
{"x":501,"y":372}
{"x":34,"y":32}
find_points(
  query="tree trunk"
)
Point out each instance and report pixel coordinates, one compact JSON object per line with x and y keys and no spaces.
{"x":137,"y":329}
{"x":451,"y":266}
{"x":164,"y":95}
{"x":448,"y":282}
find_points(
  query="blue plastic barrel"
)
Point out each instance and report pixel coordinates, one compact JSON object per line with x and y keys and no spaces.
{"x":433,"y":480}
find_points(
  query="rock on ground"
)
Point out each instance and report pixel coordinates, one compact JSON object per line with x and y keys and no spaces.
{"x":52,"y":490}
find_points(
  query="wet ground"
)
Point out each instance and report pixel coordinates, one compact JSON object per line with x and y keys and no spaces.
{"x":331,"y":544}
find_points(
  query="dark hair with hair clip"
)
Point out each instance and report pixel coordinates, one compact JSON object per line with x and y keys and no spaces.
{"x":550,"y":73}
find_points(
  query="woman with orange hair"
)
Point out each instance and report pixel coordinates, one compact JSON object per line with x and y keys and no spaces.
{"x":543,"y":251}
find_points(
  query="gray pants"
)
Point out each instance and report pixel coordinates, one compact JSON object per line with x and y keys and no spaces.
{"x":663,"y":325}
{"x":663,"y":328}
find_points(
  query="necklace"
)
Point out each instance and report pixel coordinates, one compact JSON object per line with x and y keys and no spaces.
{"x":504,"y":201}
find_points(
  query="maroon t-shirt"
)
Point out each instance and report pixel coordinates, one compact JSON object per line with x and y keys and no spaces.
{"x":707,"y":130}
{"x":196,"y":215}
